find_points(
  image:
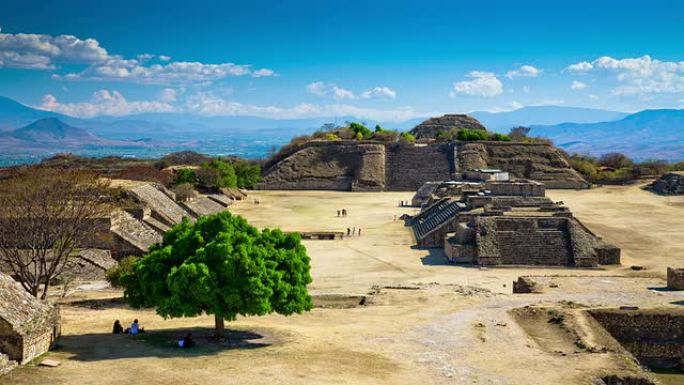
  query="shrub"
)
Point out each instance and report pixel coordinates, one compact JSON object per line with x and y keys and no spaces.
{"x":248,"y":174}
{"x":185,"y":175}
{"x":116,"y":275}
{"x":360,"y":130}
{"x":466,"y":135}
{"x":500,"y":137}
{"x":519,"y":134}
{"x":615,"y":160}
{"x":184,"y":191}
{"x":406,"y":137}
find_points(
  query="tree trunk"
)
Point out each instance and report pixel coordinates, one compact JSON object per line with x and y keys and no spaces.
{"x":220,"y":327}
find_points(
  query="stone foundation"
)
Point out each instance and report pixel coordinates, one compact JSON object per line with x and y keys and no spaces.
{"x":655,"y":337}
{"x":675,"y":278}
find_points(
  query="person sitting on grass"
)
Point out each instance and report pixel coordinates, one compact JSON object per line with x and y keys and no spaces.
{"x":187,"y":342}
{"x":117,"y":329}
{"x":135,"y":328}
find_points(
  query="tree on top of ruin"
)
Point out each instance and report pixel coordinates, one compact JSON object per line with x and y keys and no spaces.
{"x":223,"y":266}
{"x":45,"y":214}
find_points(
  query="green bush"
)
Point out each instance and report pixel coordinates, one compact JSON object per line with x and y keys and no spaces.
{"x":466,"y":135}
{"x":248,"y":174}
{"x":185,"y":175}
{"x":117,"y":274}
{"x":407,"y":137}
{"x":359,"y":128}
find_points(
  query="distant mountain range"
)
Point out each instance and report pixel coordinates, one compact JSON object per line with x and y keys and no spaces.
{"x":649,"y":134}
{"x":543,"y":115}
{"x":27,"y":134}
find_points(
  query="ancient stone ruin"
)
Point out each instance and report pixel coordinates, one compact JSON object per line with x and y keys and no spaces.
{"x":511,"y":224}
{"x":675,"y":278}
{"x":654,"y":336}
{"x":432,"y":126}
{"x":28,"y":327}
{"x":376,"y":166}
{"x":671,"y":183}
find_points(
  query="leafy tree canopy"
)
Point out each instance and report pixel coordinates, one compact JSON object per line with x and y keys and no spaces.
{"x":221,"y":265}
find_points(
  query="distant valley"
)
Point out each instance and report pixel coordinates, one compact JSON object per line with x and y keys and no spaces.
{"x":28,"y":134}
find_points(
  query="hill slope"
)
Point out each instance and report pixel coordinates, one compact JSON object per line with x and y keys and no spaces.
{"x":649,"y":134}
{"x":544,"y":115}
{"x":53,"y":130}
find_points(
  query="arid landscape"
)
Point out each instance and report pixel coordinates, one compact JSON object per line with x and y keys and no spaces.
{"x":421,"y":321}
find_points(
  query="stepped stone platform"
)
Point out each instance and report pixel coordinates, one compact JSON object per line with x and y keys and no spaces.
{"x":158,"y":199}
{"x":349,"y":165}
{"x":202,"y":206}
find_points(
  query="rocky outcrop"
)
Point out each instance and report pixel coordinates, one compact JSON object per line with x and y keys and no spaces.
{"x":430,"y":127}
{"x":540,"y":162}
{"x":671,"y":183}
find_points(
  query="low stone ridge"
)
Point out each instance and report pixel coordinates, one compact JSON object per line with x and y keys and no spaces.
{"x":671,"y":183}
{"x":430,"y":127}
{"x":28,"y":327}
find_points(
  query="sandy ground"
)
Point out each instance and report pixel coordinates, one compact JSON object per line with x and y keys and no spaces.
{"x":426,"y":322}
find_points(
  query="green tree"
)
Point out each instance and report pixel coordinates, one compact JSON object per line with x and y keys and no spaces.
{"x":222,"y":266}
{"x":359,"y":128}
{"x":248,"y":174}
{"x":407,"y":137}
{"x":217,"y":174}
{"x":185,"y":175}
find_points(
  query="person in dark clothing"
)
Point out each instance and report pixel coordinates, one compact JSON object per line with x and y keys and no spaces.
{"x":117,"y":329}
{"x":188,"y":342}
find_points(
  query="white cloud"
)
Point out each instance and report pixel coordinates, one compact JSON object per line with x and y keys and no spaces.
{"x":642,"y":75}
{"x":210,"y":104}
{"x":104,"y":102}
{"x":46,"y":52}
{"x":168,"y":95}
{"x":341,"y":93}
{"x":524,"y":71}
{"x":34,"y":51}
{"x":593,"y":96}
{"x":170,"y":73}
{"x":380,"y":92}
{"x":580,"y":67}
{"x":263,"y":72}
{"x":319,"y":88}
{"x":577,"y":85}
{"x":483,"y":84}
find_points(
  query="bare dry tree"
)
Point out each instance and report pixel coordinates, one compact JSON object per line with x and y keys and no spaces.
{"x":45,"y":214}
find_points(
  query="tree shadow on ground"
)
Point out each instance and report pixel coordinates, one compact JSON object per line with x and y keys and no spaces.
{"x":661,"y":288}
{"x":157,"y":343}
{"x":99,"y":303}
{"x":680,"y":303}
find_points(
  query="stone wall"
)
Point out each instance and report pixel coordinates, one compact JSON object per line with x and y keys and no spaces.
{"x":675,"y":278}
{"x":338,"y":165}
{"x":529,"y":241}
{"x":409,"y":166}
{"x":540,"y":162}
{"x":373,"y":165}
{"x":654,"y":337}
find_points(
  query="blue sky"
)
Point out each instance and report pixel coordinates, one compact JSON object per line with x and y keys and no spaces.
{"x":385,"y":60}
